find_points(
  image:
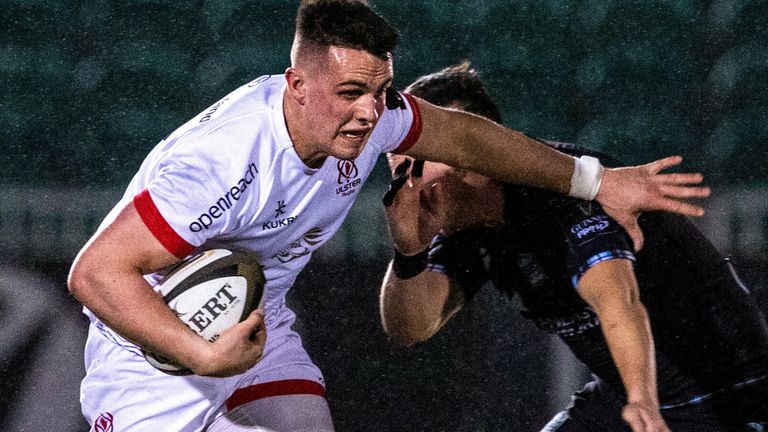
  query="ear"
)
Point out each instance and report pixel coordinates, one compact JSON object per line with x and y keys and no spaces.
{"x":296,"y":84}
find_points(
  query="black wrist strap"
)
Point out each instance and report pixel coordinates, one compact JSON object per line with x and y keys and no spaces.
{"x":406,"y":267}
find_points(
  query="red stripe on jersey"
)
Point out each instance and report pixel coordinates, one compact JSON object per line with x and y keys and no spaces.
{"x":415,"y":132}
{"x":275,"y":388}
{"x":159,"y":227}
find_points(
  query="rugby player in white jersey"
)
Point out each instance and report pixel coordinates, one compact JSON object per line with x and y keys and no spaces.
{"x":274,"y":168}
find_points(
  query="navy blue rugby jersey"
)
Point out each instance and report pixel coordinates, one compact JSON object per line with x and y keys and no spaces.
{"x":707,"y":331}
{"x":549,"y":241}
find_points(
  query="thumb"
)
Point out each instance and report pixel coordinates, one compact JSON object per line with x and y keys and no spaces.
{"x":633,"y":229}
{"x":253,"y":325}
{"x":437,"y":205}
{"x":638,"y":239}
{"x":431,"y":214}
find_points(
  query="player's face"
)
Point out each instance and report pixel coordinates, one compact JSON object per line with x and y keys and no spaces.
{"x":345,"y":100}
{"x":461,"y":182}
{"x":468,"y":199}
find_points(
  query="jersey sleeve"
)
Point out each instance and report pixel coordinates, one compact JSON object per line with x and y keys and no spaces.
{"x":195,"y":194}
{"x":461,"y":258}
{"x":591,"y":236}
{"x":400,"y":125}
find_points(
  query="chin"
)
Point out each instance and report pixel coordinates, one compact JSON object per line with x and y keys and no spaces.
{"x":348,"y":151}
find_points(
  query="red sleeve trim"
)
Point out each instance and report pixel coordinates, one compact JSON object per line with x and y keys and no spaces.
{"x":415,"y":132}
{"x":159,"y":227}
{"x":275,"y":388}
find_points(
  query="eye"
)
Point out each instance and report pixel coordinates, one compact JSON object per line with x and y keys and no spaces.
{"x":381,"y":92}
{"x":351,"y":94}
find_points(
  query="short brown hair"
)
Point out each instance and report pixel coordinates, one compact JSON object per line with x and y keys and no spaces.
{"x":458,"y":84}
{"x":345,"y":23}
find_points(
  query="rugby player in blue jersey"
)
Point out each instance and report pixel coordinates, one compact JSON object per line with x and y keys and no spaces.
{"x":672,"y":336}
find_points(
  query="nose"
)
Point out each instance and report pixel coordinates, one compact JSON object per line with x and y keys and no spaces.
{"x":367,"y":110}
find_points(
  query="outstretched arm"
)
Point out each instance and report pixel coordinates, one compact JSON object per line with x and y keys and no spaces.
{"x":471,"y":142}
{"x":468,"y":141}
{"x":107,"y":278}
{"x":611,"y":289}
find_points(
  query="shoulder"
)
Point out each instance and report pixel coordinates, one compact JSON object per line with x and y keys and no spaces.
{"x":400,"y":124}
{"x":250,"y":108}
{"x":244,"y":125}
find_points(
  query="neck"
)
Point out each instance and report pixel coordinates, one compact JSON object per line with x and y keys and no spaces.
{"x":308,"y":153}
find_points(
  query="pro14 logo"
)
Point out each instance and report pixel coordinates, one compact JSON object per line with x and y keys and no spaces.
{"x":220,"y":303}
{"x":347,"y":176}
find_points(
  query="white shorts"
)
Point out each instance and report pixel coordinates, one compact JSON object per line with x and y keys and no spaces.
{"x":122,"y":392}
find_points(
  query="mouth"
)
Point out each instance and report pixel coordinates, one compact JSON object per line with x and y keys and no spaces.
{"x":355,"y":135}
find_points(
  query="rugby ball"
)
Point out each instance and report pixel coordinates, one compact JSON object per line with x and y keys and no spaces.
{"x":210,"y":292}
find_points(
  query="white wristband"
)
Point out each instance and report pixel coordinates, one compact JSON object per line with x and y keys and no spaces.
{"x":586,"y":178}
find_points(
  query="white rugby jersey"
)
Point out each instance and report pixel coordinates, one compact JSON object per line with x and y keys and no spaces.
{"x":230,"y":178}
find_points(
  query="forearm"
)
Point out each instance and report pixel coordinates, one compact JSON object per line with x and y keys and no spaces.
{"x":474,"y":143}
{"x":611,"y":289}
{"x":412,"y":310}
{"x":628,"y":335}
{"x":128,"y":305}
{"x":107,"y":277}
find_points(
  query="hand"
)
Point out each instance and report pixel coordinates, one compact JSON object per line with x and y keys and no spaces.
{"x":626,"y":192}
{"x":237,"y":349}
{"x":644,"y":417}
{"x":414,"y":215}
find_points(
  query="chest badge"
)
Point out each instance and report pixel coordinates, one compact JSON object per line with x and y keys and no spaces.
{"x":347,"y":178}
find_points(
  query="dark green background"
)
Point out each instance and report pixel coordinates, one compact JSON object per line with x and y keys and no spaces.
{"x":88,"y":87}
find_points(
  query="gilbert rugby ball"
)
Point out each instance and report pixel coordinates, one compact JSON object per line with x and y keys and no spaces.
{"x":210,"y":292}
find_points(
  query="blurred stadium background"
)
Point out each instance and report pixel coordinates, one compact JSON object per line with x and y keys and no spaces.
{"x":88,"y":87}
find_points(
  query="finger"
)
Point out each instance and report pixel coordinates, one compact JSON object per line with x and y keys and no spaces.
{"x":394,"y":159}
{"x":418,"y":168}
{"x":437,"y":203}
{"x":663,"y":164}
{"x":259,"y":337}
{"x":258,"y":331}
{"x":648,"y":421}
{"x":253,"y":323}
{"x":245,"y":329}
{"x":653,"y":421}
{"x":633,"y":419}
{"x":402,"y":167}
{"x":679,"y":207}
{"x":416,"y":172}
{"x":394,"y":187}
{"x":684,"y":191}
{"x":635,"y":233}
{"x":679,"y":178}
